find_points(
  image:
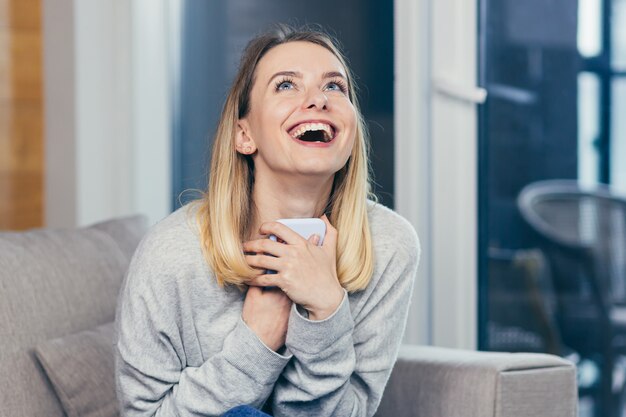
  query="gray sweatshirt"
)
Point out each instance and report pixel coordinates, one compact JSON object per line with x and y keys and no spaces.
{"x":183,"y":349}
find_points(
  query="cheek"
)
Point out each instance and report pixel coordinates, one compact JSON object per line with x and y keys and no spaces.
{"x":351,"y":124}
{"x":346,"y":112}
{"x":267,"y":115}
{"x":271,"y":120}
{"x":351,"y":143}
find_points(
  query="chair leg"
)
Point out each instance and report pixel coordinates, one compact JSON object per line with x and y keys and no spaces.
{"x":607,"y":406}
{"x":619,"y":402}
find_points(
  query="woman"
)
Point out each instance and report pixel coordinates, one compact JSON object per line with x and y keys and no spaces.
{"x":198,"y":332}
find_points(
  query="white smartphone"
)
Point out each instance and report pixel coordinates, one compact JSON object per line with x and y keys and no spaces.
{"x":306,"y":228}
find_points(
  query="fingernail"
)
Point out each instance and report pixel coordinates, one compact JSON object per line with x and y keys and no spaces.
{"x":316,"y":239}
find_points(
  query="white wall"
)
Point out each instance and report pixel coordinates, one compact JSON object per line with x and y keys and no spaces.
{"x":412,"y":149}
{"x":103,"y":110}
{"x":152,"y":114}
{"x":454,"y":173}
{"x":107,"y":116}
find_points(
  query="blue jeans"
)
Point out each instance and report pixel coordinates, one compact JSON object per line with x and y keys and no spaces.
{"x":245,"y":411}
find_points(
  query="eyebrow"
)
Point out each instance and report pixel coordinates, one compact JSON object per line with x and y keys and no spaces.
{"x":296,"y":74}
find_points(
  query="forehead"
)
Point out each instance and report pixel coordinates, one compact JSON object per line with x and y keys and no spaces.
{"x":299,"y":56}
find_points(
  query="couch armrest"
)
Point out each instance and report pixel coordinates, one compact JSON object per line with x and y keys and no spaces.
{"x":439,"y":382}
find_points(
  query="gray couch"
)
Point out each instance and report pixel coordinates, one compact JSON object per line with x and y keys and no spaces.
{"x":57,"y":302}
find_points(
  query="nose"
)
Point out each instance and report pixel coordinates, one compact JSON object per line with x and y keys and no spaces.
{"x":317,"y":99}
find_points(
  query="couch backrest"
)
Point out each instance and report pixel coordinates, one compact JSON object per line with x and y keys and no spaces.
{"x":54,"y":283}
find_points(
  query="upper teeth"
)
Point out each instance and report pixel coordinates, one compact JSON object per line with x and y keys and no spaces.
{"x":305,"y":127}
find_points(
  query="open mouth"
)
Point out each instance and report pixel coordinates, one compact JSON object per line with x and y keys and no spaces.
{"x":313,"y":132}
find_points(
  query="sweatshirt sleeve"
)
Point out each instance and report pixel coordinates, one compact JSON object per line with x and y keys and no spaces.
{"x":341,"y":365}
{"x":152,"y":378}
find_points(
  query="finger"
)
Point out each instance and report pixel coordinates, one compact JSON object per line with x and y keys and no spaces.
{"x":280,"y":230}
{"x":330,"y":239}
{"x":266,"y":280}
{"x":252,"y":289}
{"x":314,"y":239}
{"x":264,"y":246}
{"x":263,"y":262}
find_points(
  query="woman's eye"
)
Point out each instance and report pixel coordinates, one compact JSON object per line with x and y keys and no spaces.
{"x":284,"y":85}
{"x":335,"y":86}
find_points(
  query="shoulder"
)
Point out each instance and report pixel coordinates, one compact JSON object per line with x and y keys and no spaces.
{"x":391,"y":233}
{"x":396,"y":250}
{"x":170,"y":247}
{"x":394,"y":239}
{"x":178,"y":227}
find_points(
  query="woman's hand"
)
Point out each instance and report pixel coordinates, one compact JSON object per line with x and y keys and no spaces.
{"x":307,"y":273}
{"x":266,"y":312}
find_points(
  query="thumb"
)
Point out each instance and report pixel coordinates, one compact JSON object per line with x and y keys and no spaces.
{"x":330,"y":238}
{"x":314,"y":239}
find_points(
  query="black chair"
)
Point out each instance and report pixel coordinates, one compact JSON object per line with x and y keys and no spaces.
{"x":583,"y":233}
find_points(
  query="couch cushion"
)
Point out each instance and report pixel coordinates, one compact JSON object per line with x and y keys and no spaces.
{"x":54,"y":283}
{"x":81,"y":369}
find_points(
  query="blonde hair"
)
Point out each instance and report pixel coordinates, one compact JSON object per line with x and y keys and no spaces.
{"x":226,"y":209}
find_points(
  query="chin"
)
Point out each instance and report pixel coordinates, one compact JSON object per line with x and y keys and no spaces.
{"x":318,"y":170}
{"x":331,"y":163}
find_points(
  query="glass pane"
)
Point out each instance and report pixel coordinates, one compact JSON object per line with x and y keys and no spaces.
{"x":618,"y":39}
{"x":552,"y":230}
{"x":618,"y":135}
{"x":589,"y":36}
{"x":588,"y":127}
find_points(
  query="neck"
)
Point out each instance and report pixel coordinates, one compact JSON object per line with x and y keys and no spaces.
{"x":287,"y":199}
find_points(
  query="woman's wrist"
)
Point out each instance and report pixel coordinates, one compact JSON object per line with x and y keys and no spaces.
{"x":325,"y":312}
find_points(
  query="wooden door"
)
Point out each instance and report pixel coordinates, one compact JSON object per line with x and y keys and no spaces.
{"x":21,"y":115}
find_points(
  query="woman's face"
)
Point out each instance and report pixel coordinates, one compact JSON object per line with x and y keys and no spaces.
{"x":301,"y":120}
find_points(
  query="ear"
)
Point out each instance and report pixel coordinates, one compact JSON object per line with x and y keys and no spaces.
{"x":243,"y":140}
